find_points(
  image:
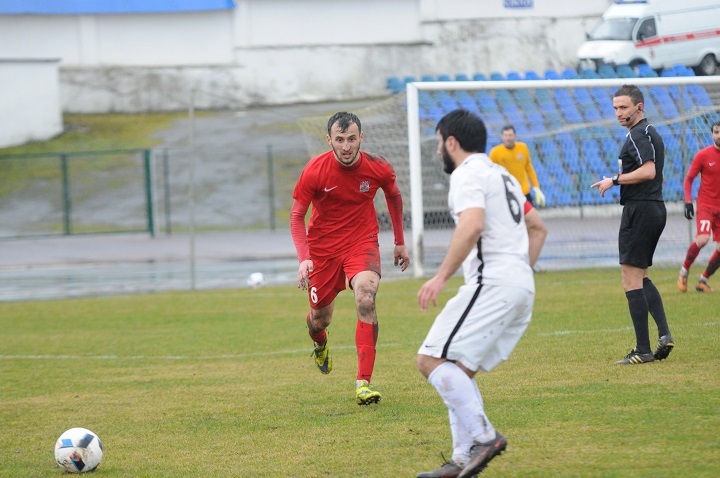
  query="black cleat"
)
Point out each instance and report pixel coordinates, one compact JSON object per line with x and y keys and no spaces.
{"x":635,"y":358}
{"x":664,"y":347}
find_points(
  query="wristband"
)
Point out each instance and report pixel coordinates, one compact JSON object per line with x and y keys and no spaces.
{"x":615,"y":180}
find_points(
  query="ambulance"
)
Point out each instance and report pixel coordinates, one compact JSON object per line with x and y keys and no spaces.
{"x":659,"y":33}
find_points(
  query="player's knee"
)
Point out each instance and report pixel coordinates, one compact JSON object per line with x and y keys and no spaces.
{"x":702,"y":240}
{"x":365,"y":303}
{"x":423,"y":364}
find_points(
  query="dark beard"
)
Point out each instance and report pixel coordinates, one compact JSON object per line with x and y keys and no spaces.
{"x":448,"y":165}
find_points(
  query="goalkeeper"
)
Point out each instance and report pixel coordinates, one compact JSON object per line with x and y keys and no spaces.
{"x":515,"y":157}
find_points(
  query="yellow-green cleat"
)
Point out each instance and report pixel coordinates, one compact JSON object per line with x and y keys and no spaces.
{"x":323,"y":360}
{"x":365,"y":395}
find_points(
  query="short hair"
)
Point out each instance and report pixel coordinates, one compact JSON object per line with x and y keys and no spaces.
{"x":712,"y":126}
{"x":466,"y":127}
{"x":344,"y":120}
{"x":635,"y":94}
{"x":508,"y":127}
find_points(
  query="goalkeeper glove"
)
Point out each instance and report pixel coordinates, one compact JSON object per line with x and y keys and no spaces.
{"x":539,"y":197}
{"x":689,"y":211}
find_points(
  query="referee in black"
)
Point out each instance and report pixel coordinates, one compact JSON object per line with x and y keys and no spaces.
{"x":643,"y":219}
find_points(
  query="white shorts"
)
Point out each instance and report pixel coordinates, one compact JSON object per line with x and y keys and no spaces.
{"x":480,"y":326}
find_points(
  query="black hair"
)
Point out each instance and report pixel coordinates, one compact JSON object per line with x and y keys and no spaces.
{"x":635,"y":94}
{"x":508,"y":127}
{"x":466,"y":127}
{"x":344,"y":120}
{"x":712,"y":126}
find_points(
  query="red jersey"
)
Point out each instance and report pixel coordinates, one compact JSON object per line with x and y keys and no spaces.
{"x":707,"y":164}
{"x":343,"y":212}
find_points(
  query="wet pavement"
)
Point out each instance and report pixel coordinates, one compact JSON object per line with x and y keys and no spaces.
{"x":81,"y":266}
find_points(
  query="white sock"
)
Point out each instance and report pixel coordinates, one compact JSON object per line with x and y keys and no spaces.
{"x":461,"y":440}
{"x":460,"y":394}
{"x":489,"y":428}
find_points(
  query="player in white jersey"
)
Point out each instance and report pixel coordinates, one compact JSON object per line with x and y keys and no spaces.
{"x":497,"y":240}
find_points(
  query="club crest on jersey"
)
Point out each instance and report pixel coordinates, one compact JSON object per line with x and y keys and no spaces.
{"x":364,"y":186}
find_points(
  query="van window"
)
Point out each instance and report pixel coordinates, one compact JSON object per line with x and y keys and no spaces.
{"x":614,"y":29}
{"x":647,"y":29}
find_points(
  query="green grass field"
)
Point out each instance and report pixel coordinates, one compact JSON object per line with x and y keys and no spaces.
{"x":221,"y":384}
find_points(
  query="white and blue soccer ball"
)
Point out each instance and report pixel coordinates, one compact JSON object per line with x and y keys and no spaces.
{"x":78,"y":450}
{"x":256,"y":280}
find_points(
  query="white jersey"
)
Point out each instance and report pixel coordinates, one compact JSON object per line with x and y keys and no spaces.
{"x":501,"y":255}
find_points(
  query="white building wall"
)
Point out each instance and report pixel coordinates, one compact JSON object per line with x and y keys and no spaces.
{"x":29,"y":101}
{"x":198,"y":38}
{"x":289,"y":51}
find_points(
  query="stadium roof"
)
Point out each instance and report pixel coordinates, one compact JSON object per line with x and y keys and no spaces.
{"x":75,"y":7}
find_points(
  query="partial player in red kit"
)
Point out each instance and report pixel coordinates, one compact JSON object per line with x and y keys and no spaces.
{"x":341,"y":241}
{"x":707,"y":164}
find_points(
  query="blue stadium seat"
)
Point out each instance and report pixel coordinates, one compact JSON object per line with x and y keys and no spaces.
{"x":449,"y":104}
{"x":645,"y":71}
{"x":427,"y":78}
{"x":513,"y":76}
{"x":532,"y":75}
{"x":552,"y":75}
{"x":570,"y":74}
{"x":607,"y":71}
{"x":394,"y":84}
{"x":462,"y":77}
{"x":444,"y":77}
{"x":664,"y":102}
{"x":479,"y":77}
{"x":496,"y":76}
{"x":626,"y":71}
{"x":409,"y":79}
{"x":683,"y":70}
{"x":700,"y":95}
{"x":589,"y":73}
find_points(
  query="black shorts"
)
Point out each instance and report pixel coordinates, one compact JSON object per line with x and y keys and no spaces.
{"x":641,"y":225}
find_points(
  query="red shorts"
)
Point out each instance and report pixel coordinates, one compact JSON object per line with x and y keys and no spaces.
{"x":708,"y":221}
{"x":329,"y":276}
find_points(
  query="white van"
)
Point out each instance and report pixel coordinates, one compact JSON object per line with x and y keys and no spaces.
{"x":660,"y":33}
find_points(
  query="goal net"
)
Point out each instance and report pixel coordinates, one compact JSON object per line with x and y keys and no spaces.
{"x":570,"y":128}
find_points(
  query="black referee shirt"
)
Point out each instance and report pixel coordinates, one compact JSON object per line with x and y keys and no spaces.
{"x":642,"y":143}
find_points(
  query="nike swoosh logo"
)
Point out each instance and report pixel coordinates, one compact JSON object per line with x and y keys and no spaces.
{"x":711,"y":164}
{"x":330,"y":189}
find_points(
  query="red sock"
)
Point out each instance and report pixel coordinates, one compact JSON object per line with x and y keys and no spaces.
{"x":713,"y":264}
{"x":318,"y":336}
{"x":692,"y":254}
{"x":365,"y":339}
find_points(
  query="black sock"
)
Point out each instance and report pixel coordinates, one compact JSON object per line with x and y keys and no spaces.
{"x":655,"y":306}
{"x":639,"y":312}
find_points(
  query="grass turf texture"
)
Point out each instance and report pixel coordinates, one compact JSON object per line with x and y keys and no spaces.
{"x":222,"y":383}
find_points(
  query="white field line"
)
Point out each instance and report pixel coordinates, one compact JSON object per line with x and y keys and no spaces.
{"x":287,"y":352}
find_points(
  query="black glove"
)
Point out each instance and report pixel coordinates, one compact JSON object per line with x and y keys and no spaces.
{"x":689,"y":211}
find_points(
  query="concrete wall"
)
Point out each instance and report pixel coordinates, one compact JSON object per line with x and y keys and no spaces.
{"x":290,"y":51}
{"x":29,"y":101}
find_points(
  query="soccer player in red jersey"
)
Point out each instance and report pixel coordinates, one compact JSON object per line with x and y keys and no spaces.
{"x":341,"y":241}
{"x":707,"y":164}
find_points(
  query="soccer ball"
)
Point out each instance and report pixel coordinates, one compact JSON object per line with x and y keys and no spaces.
{"x":78,"y":450}
{"x":256,"y":280}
